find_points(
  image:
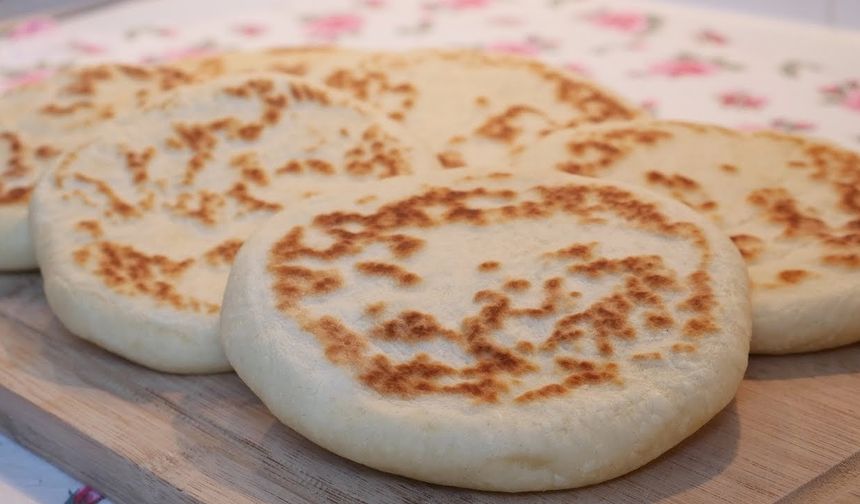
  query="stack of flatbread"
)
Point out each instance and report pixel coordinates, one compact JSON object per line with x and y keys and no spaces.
{"x":472,"y":270}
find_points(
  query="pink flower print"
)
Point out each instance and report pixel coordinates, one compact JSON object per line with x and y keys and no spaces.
{"x":84,"y":495}
{"x":628,"y":22}
{"x":790,"y":126}
{"x":577,"y":68}
{"x":852,"y":100}
{"x":527,"y":48}
{"x":712,"y":37}
{"x":23,"y":79}
{"x":31,"y":27}
{"x":465,"y":4}
{"x":250,"y":29}
{"x":649,"y":105}
{"x":681,"y":67}
{"x":742,"y":100}
{"x":846,"y":94}
{"x":333,"y":26}
{"x":85,"y":47}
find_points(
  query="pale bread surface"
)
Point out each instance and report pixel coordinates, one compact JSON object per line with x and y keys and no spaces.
{"x":467,"y":107}
{"x":470,"y":108}
{"x":41,"y":122}
{"x":531,"y":332}
{"x":791,"y":204}
{"x":136,"y":232}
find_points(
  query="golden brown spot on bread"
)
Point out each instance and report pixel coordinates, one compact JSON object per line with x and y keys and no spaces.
{"x":15,"y":166}
{"x":240,"y":193}
{"x":580,"y":373}
{"x":55,"y":109}
{"x":302,"y":165}
{"x":291,"y":166}
{"x":699,"y":326}
{"x":81,"y":256}
{"x":749,"y":246}
{"x":224,"y":252}
{"x":500,"y":127}
{"x":295,"y":282}
{"x":250,"y":168}
{"x":489,"y":266}
{"x":729,"y":168}
{"x":116,"y":205}
{"x":375,"y":86}
{"x":376,"y":153}
{"x":517,"y":284}
{"x":397,"y":273}
{"x":206,"y":210}
{"x":525,"y":347}
{"x":340,"y":344}
{"x":85,"y":80}
{"x":135,"y":72}
{"x":202,"y":138}
{"x":403,"y":246}
{"x":15,"y":195}
{"x":137,"y":163}
{"x":92,"y":227}
{"x":793,"y":276}
{"x":842,"y":260}
{"x":598,"y":151}
{"x":375,"y":309}
{"x":781,"y":208}
{"x":551,"y":390}
{"x":646,"y":356}
{"x":418,"y":376}
{"x":451,"y":159}
{"x":577,"y":251}
{"x":130,"y":272}
{"x":249,"y":132}
{"x":675,"y":181}
{"x":683,"y":347}
{"x":494,"y":368}
{"x":658,"y":320}
{"x":47,"y":151}
{"x":411,"y":326}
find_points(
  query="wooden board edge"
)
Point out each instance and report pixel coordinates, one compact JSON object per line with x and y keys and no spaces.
{"x":839,"y":484}
{"x":80,"y":457}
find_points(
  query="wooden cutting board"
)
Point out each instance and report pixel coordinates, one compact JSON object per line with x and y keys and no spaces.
{"x":792,"y":433}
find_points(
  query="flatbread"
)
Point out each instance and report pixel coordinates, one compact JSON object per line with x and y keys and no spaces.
{"x":470,"y":108}
{"x":39,"y":123}
{"x":467,"y":107}
{"x":527,"y":332}
{"x":791,"y":205}
{"x":135,"y":233}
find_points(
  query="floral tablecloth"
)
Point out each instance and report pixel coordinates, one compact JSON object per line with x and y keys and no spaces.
{"x":743,"y":72}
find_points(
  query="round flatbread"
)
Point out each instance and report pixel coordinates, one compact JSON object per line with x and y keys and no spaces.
{"x":135,"y":233}
{"x":470,"y":108}
{"x":503,"y":332}
{"x":41,"y":122}
{"x":790,"y":204}
{"x":467,"y":107}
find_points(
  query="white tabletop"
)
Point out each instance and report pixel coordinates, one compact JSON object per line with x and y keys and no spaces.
{"x":679,"y":62}
{"x":28,"y":479}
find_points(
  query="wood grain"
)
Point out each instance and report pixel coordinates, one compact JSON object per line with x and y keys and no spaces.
{"x":792,"y":433}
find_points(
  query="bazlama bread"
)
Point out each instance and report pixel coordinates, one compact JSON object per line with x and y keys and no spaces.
{"x":135,"y":232}
{"x":511,"y":332}
{"x":790,"y":204}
